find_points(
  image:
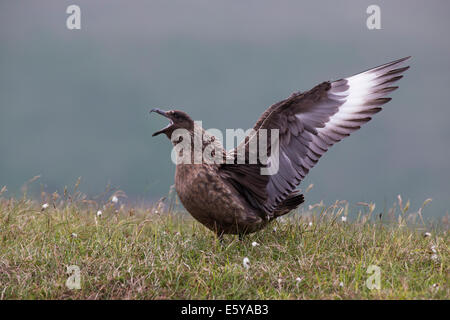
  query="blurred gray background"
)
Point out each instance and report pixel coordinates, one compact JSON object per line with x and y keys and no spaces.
{"x":75,"y":102}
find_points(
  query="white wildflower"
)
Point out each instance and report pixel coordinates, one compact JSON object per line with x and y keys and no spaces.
{"x":433,"y":249}
{"x":310,"y":224}
{"x":74,"y":235}
{"x":254,"y":244}
{"x":99,"y":213}
{"x":434,"y":257}
{"x":115,"y":199}
{"x":427,"y":234}
{"x":45,"y":206}
{"x":341,"y":284}
{"x":274,"y":229}
{"x":299,"y":279}
{"x":246,"y":263}
{"x":344,"y":218}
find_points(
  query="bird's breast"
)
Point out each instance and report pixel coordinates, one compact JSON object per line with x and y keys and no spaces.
{"x":208,"y":198}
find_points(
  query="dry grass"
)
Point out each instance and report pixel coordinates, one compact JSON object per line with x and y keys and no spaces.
{"x":161,"y":253}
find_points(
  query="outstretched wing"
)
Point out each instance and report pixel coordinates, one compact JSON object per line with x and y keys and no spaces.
{"x":309,"y":124}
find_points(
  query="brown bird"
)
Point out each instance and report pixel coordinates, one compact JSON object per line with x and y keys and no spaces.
{"x":234,"y":197}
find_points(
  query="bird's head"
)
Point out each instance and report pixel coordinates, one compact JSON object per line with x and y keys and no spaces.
{"x":177,"y":120}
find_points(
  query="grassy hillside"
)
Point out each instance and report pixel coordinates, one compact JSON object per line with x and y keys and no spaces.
{"x":160,"y":253}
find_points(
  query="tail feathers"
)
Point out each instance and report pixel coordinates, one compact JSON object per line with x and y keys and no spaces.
{"x":290,"y":203}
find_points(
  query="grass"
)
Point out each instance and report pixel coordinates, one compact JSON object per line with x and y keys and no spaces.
{"x":160,"y":253}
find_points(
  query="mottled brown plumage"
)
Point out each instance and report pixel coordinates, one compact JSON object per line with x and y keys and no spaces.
{"x":234,"y":197}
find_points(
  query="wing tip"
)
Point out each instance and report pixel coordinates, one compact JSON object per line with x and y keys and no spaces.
{"x":384,"y":66}
{"x":393,"y":63}
{"x":403,"y":59}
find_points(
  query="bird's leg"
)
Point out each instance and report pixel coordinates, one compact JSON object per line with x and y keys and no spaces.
{"x":220,"y":237}
{"x":241,"y":237}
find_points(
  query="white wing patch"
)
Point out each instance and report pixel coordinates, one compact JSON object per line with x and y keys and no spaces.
{"x":363,"y":97}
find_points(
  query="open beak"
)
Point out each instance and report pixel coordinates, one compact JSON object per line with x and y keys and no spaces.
{"x":164,"y":114}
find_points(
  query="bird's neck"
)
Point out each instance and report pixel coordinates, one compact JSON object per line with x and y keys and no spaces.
{"x":197,"y":147}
